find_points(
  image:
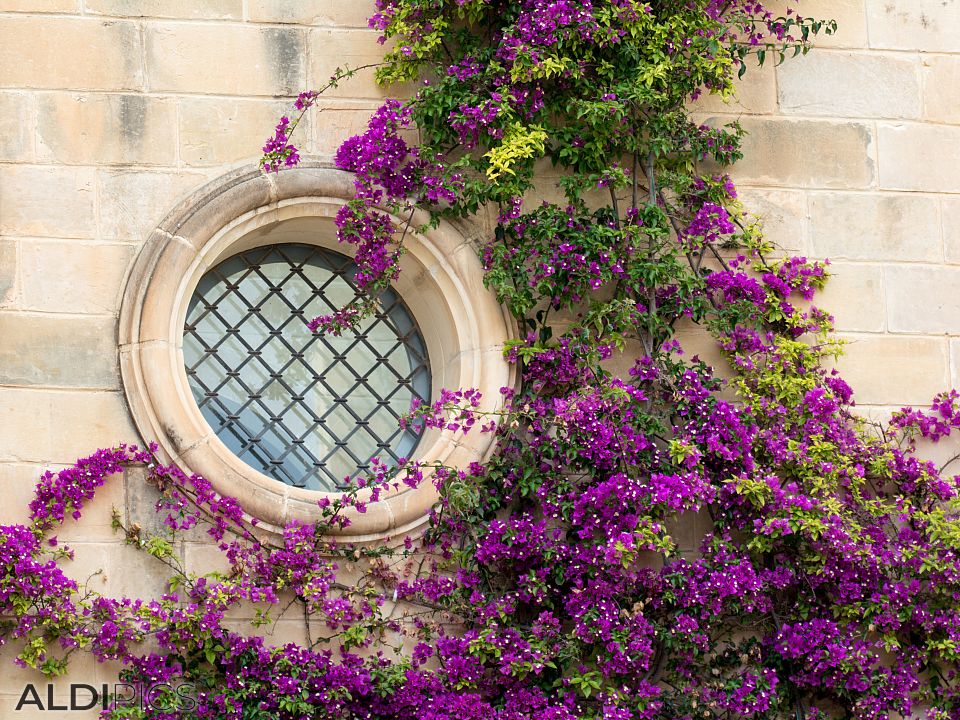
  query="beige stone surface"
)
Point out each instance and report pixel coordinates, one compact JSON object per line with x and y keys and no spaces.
{"x":51,"y":270}
{"x":69,"y":53}
{"x":919,"y":157}
{"x":219,"y":132}
{"x":756,"y":94}
{"x":806,"y":153}
{"x":53,"y":350}
{"x":895,"y":370}
{"x":851,"y":17}
{"x":850,"y":84}
{"x":929,"y":25}
{"x":338,"y":120}
{"x":43,"y":425}
{"x":783,"y":214}
{"x":941,"y":88}
{"x":330,"y":49}
{"x":47,"y":201}
{"x":116,"y":569}
{"x":951,"y":229}
{"x":41,"y":6}
{"x":17,"y":123}
{"x":9,"y":272}
{"x":890,"y":226}
{"x":923,"y":299}
{"x":17,"y":483}
{"x":224,"y":59}
{"x":855,"y":297}
{"x":133,"y":202}
{"x":106,"y":129}
{"x":340,"y":13}
{"x":206,"y":9}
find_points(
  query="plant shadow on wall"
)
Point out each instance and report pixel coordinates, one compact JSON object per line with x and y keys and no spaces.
{"x":552,"y":582}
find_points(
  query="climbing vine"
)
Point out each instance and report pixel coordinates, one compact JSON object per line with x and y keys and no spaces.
{"x":652,"y":537}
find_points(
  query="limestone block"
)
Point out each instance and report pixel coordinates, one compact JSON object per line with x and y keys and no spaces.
{"x":951,"y":228}
{"x":941,"y":88}
{"x":783,"y":214}
{"x":849,"y":226}
{"x":330,"y":49}
{"x":337,"y":120}
{"x":224,"y":59}
{"x":58,"y":351}
{"x":133,"y":202}
{"x":106,"y":129}
{"x":756,"y":94}
{"x":923,"y":299}
{"x":928,"y":25}
{"x":895,"y":370}
{"x":69,"y":53}
{"x":202,"y":558}
{"x":341,"y":13}
{"x":851,"y":17}
{"x":216,"y":131}
{"x":919,"y":157}
{"x":17,"y":483}
{"x":846,"y":84}
{"x":53,"y":425}
{"x":116,"y":569}
{"x":41,"y":6}
{"x":17,"y":123}
{"x":955,"y":365}
{"x":854,"y":296}
{"x":73,"y":277}
{"x":47,"y":201}
{"x":9,"y":272}
{"x":805,"y":153}
{"x":207,"y":9}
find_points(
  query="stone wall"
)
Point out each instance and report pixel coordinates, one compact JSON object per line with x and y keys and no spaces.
{"x":113,"y":110}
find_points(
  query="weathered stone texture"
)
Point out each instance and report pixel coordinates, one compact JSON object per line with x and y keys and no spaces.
{"x":339,"y":13}
{"x":330,"y":49}
{"x":923,"y":299}
{"x":133,"y":202}
{"x":69,"y":53}
{"x":219,"y":132}
{"x":756,"y":94}
{"x":854,"y":226}
{"x":207,"y":9}
{"x":44,"y":425}
{"x":225,"y":59}
{"x":17,"y":124}
{"x":854,"y":296}
{"x":895,"y":370}
{"x":929,"y":25}
{"x":941,"y":88}
{"x":806,"y":153}
{"x":919,"y":157}
{"x":103,"y":129}
{"x":57,"y":351}
{"x":87,"y":278}
{"x":853,"y":85}
{"x":47,"y":201}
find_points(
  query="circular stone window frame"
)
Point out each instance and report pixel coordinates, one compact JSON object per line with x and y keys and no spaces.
{"x":441,"y":282}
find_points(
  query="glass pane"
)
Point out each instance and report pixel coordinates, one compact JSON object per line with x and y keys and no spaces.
{"x":308,"y":410}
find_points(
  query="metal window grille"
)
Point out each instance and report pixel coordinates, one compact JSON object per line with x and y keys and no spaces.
{"x":308,"y":409}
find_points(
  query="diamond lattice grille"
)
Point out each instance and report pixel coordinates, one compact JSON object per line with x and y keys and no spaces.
{"x":310,"y":410}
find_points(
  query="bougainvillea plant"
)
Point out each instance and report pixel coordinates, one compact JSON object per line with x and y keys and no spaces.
{"x":651,"y":538}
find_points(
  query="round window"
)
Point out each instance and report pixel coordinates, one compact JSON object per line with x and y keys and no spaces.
{"x":220,"y":369}
{"x":309,"y":409}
